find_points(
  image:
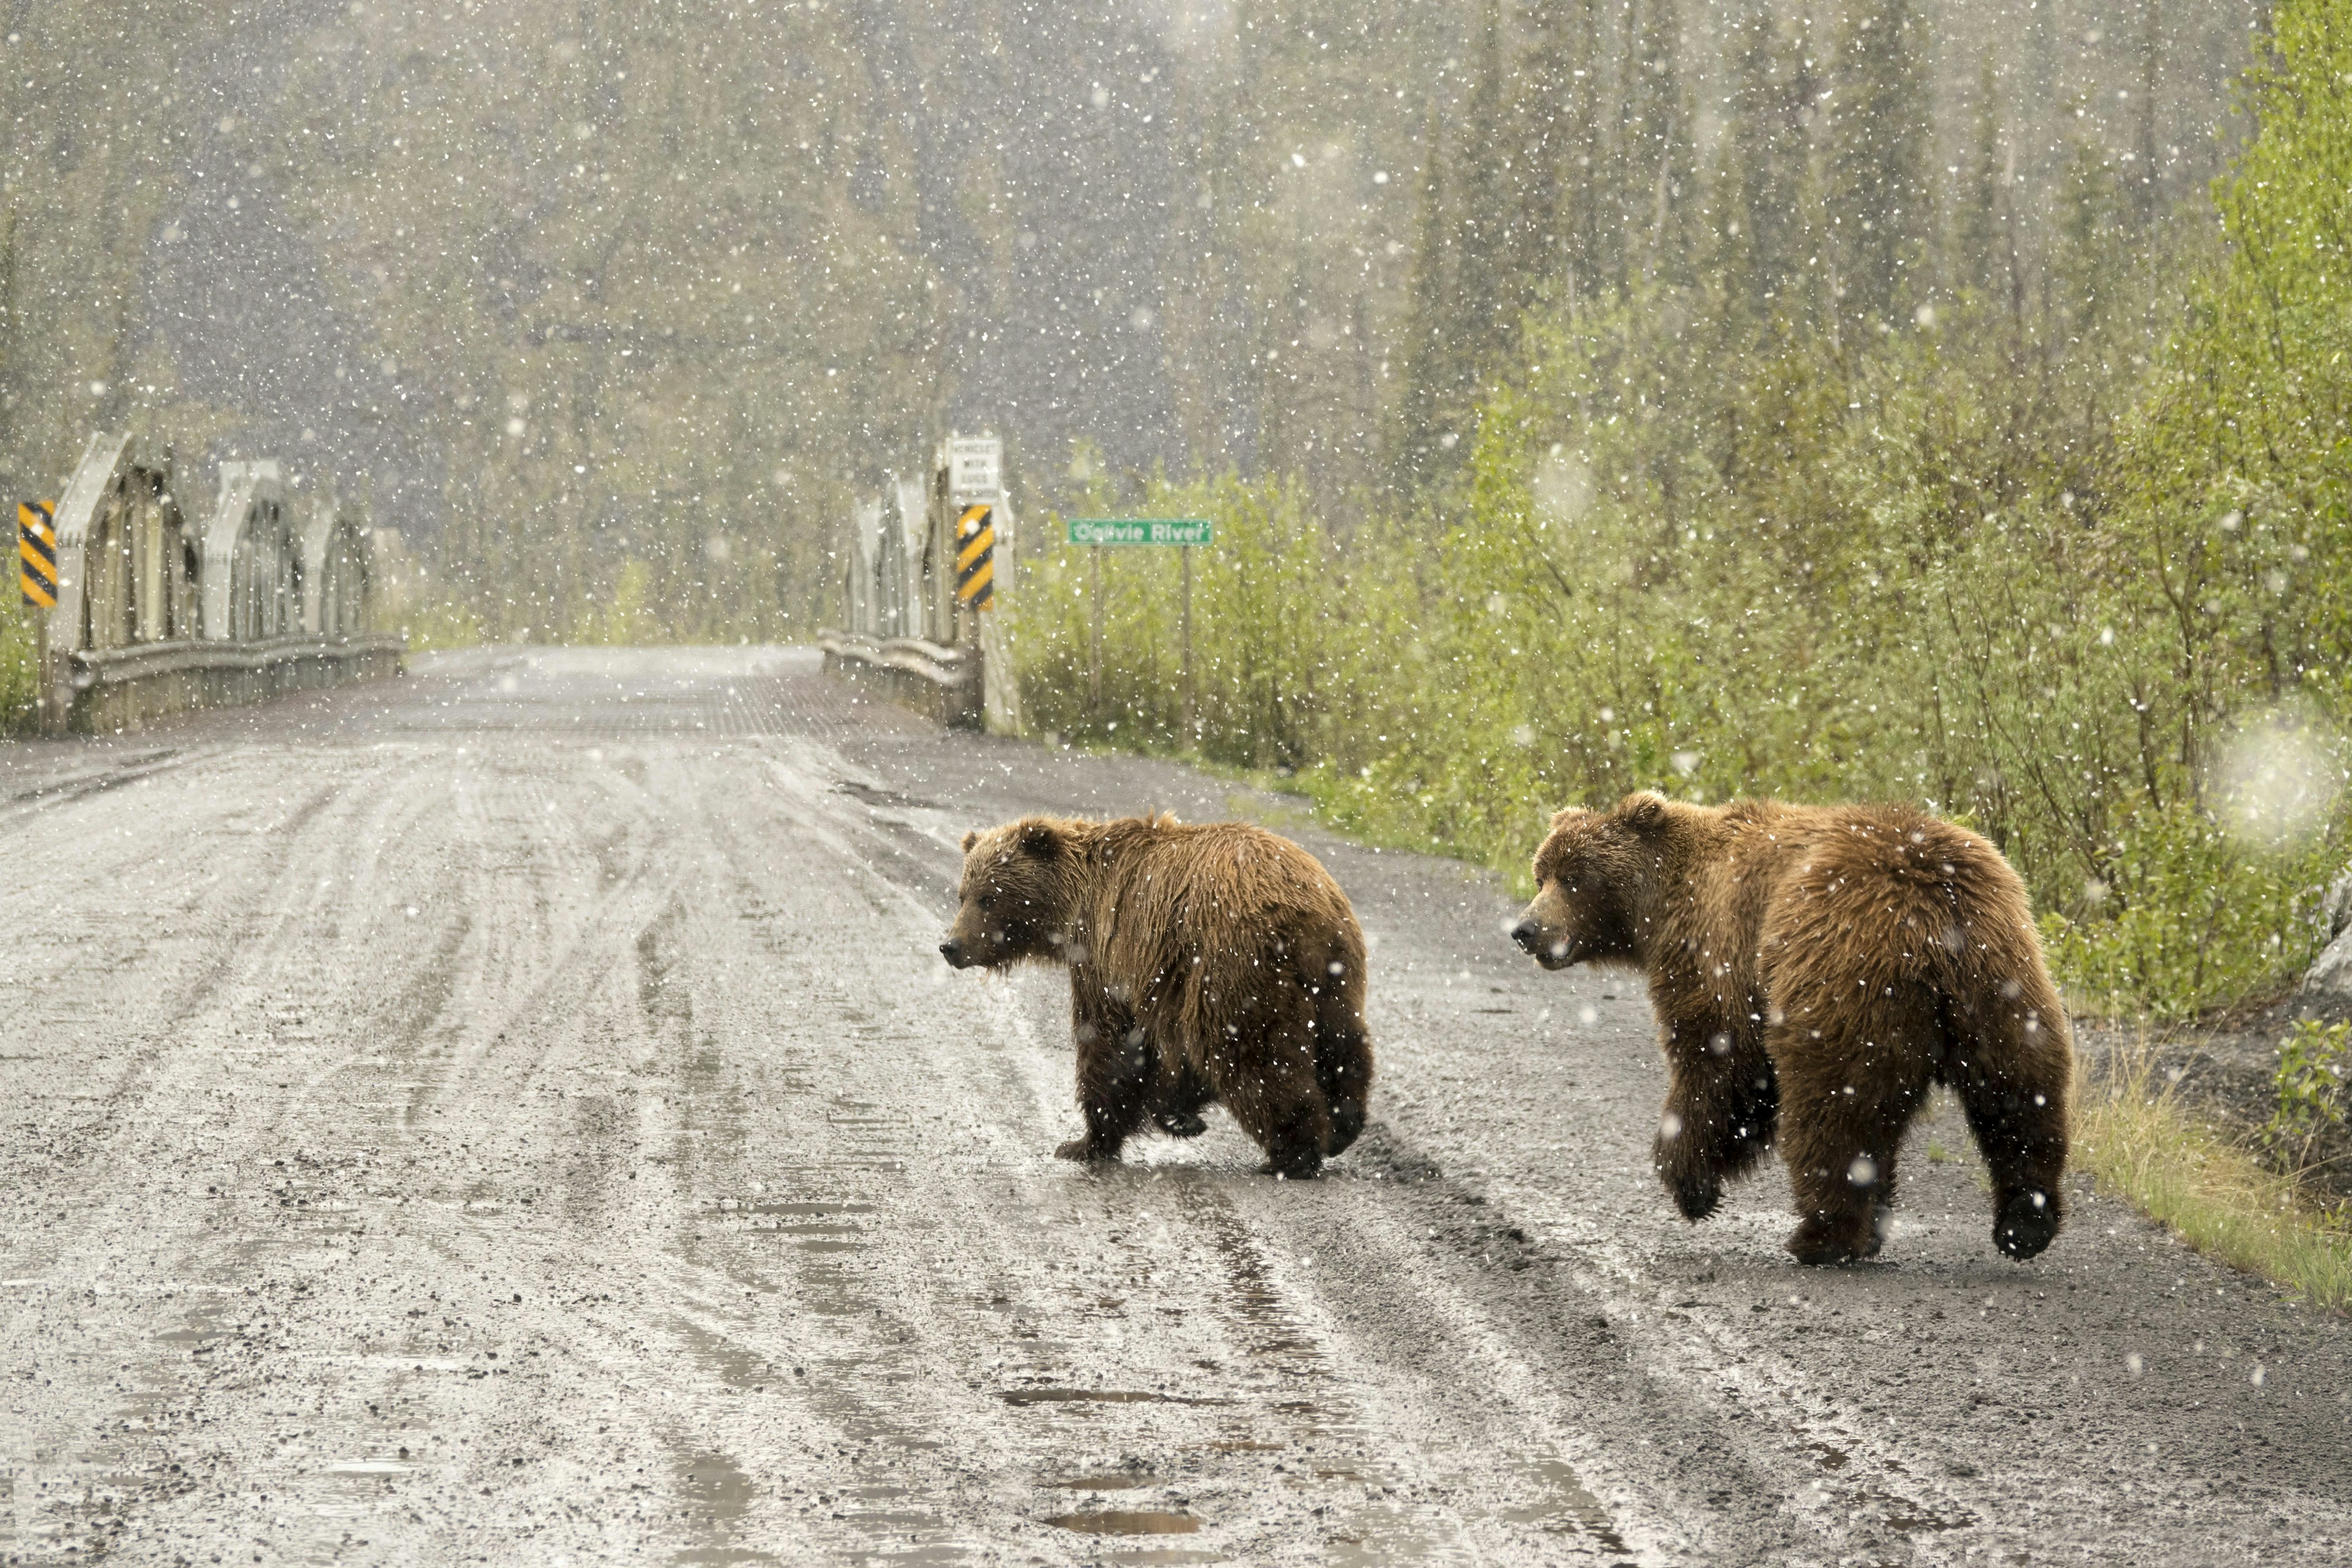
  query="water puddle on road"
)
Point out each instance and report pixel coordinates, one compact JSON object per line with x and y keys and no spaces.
{"x":1128,"y":1521}
{"x":812,"y":1226}
{"x":738,"y":1366}
{"x":1020,"y":1396}
{"x":1119,"y":1482}
{"x":718,"y":1495}
{"x":204,"y":1320}
{"x":1568,"y":1507}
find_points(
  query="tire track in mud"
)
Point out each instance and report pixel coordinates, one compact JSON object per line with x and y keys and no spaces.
{"x":1225,"y":1286}
{"x":273,"y":945}
{"x":153,"y":1132}
{"x":652,"y":1193}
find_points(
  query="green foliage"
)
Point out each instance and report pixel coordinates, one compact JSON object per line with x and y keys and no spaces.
{"x":19,"y":673}
{"x":1726,"y":537}
{"x":2193,"y":918}
{"x":2237,"y":469}
{"x":2313,"y":1060}
{"x":628,"y":615}
{"x":1275,"y":644}
{"x":440,"y":624}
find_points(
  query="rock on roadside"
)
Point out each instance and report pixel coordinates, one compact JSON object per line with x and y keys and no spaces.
{"x":2330,"y":974}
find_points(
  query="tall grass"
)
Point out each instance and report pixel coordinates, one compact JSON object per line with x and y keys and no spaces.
{"x":19,"y":673}
{"x":2138,"y":1143}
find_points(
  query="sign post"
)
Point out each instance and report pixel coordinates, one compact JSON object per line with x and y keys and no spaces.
{"x":976,"y":558}
{"x":968,"y":493}
{"x":1183,"y":533}
{"x":1184,"y":553}
{"x":37,"y":586}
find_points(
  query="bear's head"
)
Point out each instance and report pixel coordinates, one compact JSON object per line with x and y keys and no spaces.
{"x":1019,"y":882}
{"x":1589,"y":877}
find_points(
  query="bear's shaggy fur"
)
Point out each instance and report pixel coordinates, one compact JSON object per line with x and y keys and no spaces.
{"x":1206,"y":963}
{"x":1821,"y":966}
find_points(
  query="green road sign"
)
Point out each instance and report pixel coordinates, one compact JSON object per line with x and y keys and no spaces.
{"x":1141,"y":531}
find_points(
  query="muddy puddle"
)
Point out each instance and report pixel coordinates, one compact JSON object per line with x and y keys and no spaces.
{"x":717,"y":1494}
{"x":1119,"y":1481}
{"x":1126,"y":1521}
{"x":1020,"y":1396}
{"x":738,"y":1365}
{"x":1566,"y":1507}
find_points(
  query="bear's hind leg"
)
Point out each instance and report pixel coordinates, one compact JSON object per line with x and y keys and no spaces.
{"x":1845,"y":1103}
{"x":1264,"y":1072}
{"x":1343,"y":1068}
{"x":1114,"y":1071}
{"x":2012,"y":1072}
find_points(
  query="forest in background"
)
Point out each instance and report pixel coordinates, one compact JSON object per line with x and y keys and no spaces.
{"x":614,"y":309}
{"x":1826,"y":397}
{"x":1879,"y":487}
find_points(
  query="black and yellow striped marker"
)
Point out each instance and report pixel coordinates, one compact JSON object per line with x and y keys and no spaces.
{"x":37,"y":553}
{"x":976,"y":557}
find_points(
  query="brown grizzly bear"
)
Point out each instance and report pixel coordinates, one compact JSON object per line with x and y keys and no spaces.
{"x":1823,"y":966}
{"x":1206,"y":963}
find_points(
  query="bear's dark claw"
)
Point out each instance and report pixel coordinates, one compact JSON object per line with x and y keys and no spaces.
{"x":1302,"y":1166}
{"x":1347,"y":1124}
{"x":2024,"y":1222}
{"x":1086,"y":1149}
{"x":1182,"y":1124}
{"x":1698,"y":1199}
{"x":1842,"y":1238}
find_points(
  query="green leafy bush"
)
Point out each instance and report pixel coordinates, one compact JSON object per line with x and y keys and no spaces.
{"x":2194,"y":917}
{"x":19,"y":673}
{"x":2053,"y":563}
{"x":2313,"y":1061}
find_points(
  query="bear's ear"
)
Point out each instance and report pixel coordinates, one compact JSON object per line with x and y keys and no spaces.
{"x":1039,"y":839}
{"x":970,"y":839}
{"x":1642,"y":810}
{"x":1567,"y":814}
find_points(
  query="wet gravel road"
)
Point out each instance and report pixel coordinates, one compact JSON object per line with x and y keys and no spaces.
{"x":516,"y":1114}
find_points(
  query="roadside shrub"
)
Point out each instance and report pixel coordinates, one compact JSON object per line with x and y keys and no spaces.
{"x":2136,"y":1140}
{"x":1278,"y":629}
{"x":2036,"y":558}
{"x":2189,"y":917}
{"x":2313,"y":1061}
{"x":19,"y":673}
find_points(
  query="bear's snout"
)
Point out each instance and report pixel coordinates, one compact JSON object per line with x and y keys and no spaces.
{"x":1547,"y":946}
{"x":953,"y":951}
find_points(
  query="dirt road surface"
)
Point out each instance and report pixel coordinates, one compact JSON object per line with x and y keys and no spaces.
{"x":516,"y":1114}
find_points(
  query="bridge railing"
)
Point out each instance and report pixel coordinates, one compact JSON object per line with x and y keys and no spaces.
{"x":905,"y":636}
{"x":153,"y":619}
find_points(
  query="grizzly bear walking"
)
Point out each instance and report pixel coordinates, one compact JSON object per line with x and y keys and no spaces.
{"x":1206,"y":963}
{"x":1823,"y":965}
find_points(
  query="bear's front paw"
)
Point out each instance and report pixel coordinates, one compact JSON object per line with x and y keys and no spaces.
{"x":2024,"y":1222}
{"x":1085,"y":1149}
{"x":1696,"y":1193}
{"x":1184,"y":1125}
{"x":1840,"y":1239}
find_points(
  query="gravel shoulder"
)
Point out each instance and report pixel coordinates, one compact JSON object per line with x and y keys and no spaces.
{"x":516,"y":1114}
